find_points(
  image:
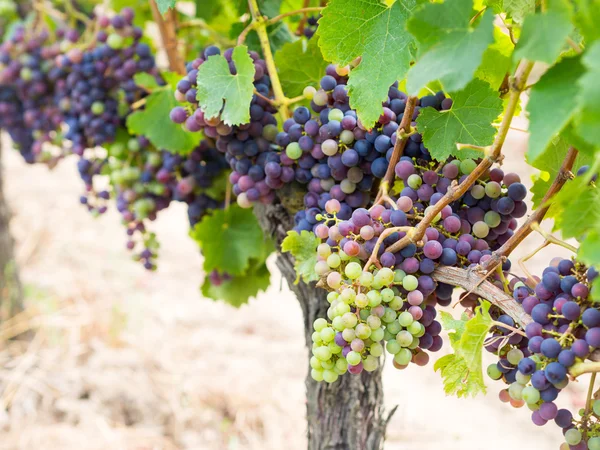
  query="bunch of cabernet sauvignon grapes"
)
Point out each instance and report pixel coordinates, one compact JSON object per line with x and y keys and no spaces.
{"x":565,"y":329}
{"x":247,"y":147}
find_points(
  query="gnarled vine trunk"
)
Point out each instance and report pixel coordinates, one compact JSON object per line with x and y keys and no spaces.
{"x":11,"y":294}
{"x":346,"y":415}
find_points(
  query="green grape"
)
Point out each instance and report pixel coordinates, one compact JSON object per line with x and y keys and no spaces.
{"x":335,"y":114}
{"x":322,"y":353}
{"x":377,"y":334}
{"x":376,"y":349}
{"x":596,"y":407}
{"x":319,"y":324}
{"x":350,"y":320}
{"x":97,"y":109}
{"x":386,"y":275}
{"x":321,"y":98}
{"x":467,"y":166}
{"x":330,"y":376}
{"x":316,"y":337}
{"x":480,"y":229}
{"x":315,"y":363}
{"x":343,"y":256}
{"x":403,"y":357}
{"x":478,"y":192}
{"x":573,"y":436}
{"x":405,"y":319}
{"x":353,"y":358}
{"x":363,"y":331}
{"x":492,"y":219}
{"x":387,"y":336}
{"x":115,"y":41}
{"x":438,"y":215}
{"x":335,"y":349}
{"x":323,"y":250}
{"x":523,"y":379}
{"x":353,"y":270}
{"x":347,"y":137}
{"x":341,"y":365}
{"x":348,"y":295}
{"x":531,"y":395}
{"x":515,"y":390}
{"x":416,"y":328}
{"x":594,"y":443}
{"x":389,"y":315}
{"x":349,"y":334}
{"x":361,"y":300}
{"x":514,"y":356}
{"x":327,"y":334}
{"x":365,"y":279}
{"x":309,"y":92}
{"x":293,"y":150}
{"x":493,"y":372}
{"x":332,"y":296}
{"x":393,"y":347}
{"x":394,"y":327}
{"x":493,"y":189}
{"x":414,"y":181}
{"x":404,"y":338}
{"x":316,"y":375}
{"x":327,"y":364}
{"x":370,"y":363}
{"x":338,"y":323}
{"x":399,"y":275}
{"x":374,"y":298}
{"x":397,"y":303}
{"x":334,"y":260}
{"x":364,"y":314}
{"x":410,"y":283}
{"x":342,"y":308}
{"x":387,"y":295}
{"x":414,"y":344}
{"x":373,"y":322}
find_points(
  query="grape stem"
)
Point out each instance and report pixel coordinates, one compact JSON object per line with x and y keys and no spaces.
{"x":508,"y":327}
{"x":580,"y":368}
{"x":401,"y":141}
{"x":537,"y":216}
{"x":535,"y":226}
{"x":166,"y":28}
{"x":263,"y":37}
{"x":388,"y":231}
{"x":303,"y":19}
{"x":494,"y":154}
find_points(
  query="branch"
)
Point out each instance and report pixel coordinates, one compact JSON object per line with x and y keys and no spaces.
{"x":263,"y":37}
{"x":167,"y":27}
{"x":492,"y":155}
{"x":470,"y":281}
{"x":536,"y":217}
{"x":398,"y":147}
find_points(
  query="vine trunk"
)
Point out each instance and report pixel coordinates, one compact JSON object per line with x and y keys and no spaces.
{"x":11,"y":294}
{"x":346,"y":415}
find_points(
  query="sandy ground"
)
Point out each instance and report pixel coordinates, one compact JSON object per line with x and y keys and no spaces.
{"x":128,"y":360}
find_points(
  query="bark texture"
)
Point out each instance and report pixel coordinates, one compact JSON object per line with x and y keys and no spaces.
{"x":11,"y":294}
{"x":346,"y":415}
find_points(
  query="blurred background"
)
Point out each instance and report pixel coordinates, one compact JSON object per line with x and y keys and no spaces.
{"x":124,"y":359}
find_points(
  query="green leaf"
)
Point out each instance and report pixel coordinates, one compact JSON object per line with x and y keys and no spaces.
{"x":579,"y":211}
{"x":544,"y":35}
{"x":586,"y":19}
{"x":303,"y":248}
{"x":375,"y":32}
{"x":154,"y":123}
{"x":552,"y":104}
{"x":469,"y":121}
{"x":220,"y":93}
{"x":589,"y":250}
{"x":473,"y":338}
{"x":587,"y":123}
{"x":146,"y":81}
{"x":300,"y":64}
{"x":165,"y":5}
{"x":496,"y":61}
{"x":458,"y":379}
{"x":229,"y":239}
{"x":450,"y":50}
{"x":240,"y":288}
{"x":518,"y":9}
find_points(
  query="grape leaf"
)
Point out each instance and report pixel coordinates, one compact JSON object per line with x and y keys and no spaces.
{"x":557,"y":88}
{"x":579,"y":212}
{"x":496,"y":61}
{"x":220,"y":92}
{"x":589,"y":250}
{"x":373,"y":31}
{"x":586,"y":19}
{"x":587,"y":122}
{"x":459,"y":378}
{"x":153,"y":122}
{"x":145,"y":80}
{"x":519,"y":9}
{"x":450,"y":50}
{"x":303,"y":248}
{"x":165,"y":5}
{"x":468,"y":121}
{"x":300,"y":64}
{"x":240,"y":288}
{"x":544,"y":34}
{"x":229,"y":239}
{"x":473,"y":338}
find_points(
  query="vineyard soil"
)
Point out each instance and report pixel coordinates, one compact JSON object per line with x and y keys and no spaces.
{"x":127,"y":359}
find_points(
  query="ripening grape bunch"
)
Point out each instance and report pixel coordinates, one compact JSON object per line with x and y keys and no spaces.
{"x":247,"y":147}
{"x":564,"y":331}
{"x":11,"y":120}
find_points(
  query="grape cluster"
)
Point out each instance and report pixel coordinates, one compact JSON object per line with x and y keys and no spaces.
{"x":247,"y":147}
{"x":11,"y":120}
{"x":564,"y":330}
{"x":98,"y":90}
{"x":312,"y":23}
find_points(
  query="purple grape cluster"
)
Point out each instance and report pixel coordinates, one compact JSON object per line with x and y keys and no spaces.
{"x":564,"y":330}
{"x":247,"y":147}
{"x":11,"y":120}
{"x":97,"y":93}
{"x":312,"y":23}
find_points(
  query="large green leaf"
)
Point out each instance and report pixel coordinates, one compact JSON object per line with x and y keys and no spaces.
{"x":514,"y":9}
{"x":303,"y":248}
{"x":450,"y":49}
{"x":300,"y":64}
{"x":552,"y":104}
{"x":229,"y":239}
{"x":496,"y":61}
{"x":240,"y":288}
{"x":222,"y":94}
{"x":469,"y":121}
{"x":587,"y":122}
{"x":375,"y":32}
{"x":586,"y":19}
